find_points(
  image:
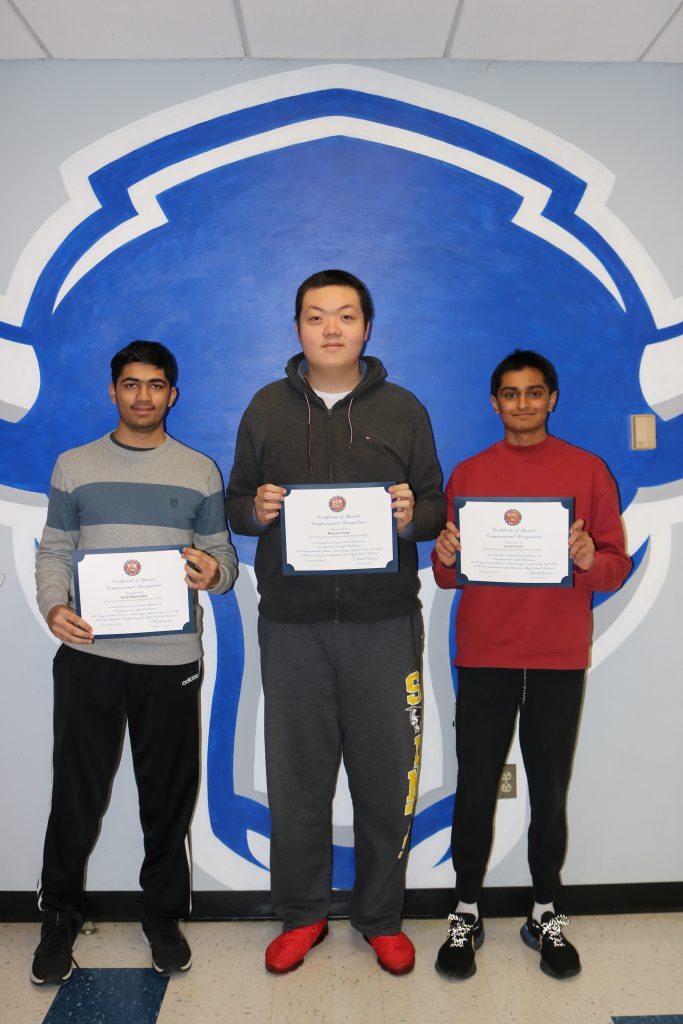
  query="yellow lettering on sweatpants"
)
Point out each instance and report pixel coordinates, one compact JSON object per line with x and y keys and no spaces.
{"x":404,"y":844}
{"x":413,"y":688}
{"x":413,"y":776}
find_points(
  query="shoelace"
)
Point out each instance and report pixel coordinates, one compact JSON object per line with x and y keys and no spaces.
{"x":459,"y":930}
{"x":552,"y":929}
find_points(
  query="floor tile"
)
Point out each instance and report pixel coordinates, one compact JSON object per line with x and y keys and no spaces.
{"x":631,"y":968}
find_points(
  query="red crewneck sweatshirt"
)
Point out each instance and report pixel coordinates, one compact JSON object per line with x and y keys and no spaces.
{"x":537,"y":627}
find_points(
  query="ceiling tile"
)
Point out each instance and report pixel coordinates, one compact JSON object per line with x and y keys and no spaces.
{"x":669,"y":46}
{"x":355,"y":29}
{"x":590,"y":30}
{"x":133,"y":29}
{"x":16,"y":42}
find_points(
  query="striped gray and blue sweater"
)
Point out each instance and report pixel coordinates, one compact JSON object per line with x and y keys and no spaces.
{"x":105,"y":496}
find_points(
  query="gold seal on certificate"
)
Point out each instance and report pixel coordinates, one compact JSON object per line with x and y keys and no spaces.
{"x":516,"y":542}
{"x":333,"y":528}
{"x":142,"y":592}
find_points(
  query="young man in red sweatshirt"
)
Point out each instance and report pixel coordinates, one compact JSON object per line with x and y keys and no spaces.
{"x":524,"y":649}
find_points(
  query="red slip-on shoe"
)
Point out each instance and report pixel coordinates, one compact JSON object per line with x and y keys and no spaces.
{"x":395,"y":953}
{"x":287,"y":951}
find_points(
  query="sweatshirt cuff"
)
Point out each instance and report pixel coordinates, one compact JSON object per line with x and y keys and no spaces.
{"x":259,"y":527}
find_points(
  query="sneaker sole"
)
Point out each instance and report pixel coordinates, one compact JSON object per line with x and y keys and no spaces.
{"x":295,"y":966}
{"x":559,"y":977}
{"x":528,"y":939}
{"x":397,"y":972}
{"x":532,"y":943}
{"x":174,"y":970}
{"x":51,"y":981}
{"x":451,"y":975}
{"x":56,"y":980}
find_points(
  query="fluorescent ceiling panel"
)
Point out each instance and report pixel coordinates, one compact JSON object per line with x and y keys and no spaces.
{"x":355,"y":29}
{"x":590,"y":30}
{"x":669,"y":46}
{"x":132,"y":29}
{"x":16,"y":42}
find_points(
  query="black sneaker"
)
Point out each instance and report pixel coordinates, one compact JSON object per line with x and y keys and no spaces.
{"x":456,"y":957}
{"x":559,"y":958}
{"x":170,"y":949}
{"x":52,"y":960}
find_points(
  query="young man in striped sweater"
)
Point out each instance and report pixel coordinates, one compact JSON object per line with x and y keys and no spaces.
{"x":133,"y":488}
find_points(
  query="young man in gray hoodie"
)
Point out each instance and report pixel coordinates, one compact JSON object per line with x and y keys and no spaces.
{"x":340,"y":653}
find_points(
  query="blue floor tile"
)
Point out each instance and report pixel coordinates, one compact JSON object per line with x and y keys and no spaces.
{"x":658,"y":1018}
{"x":126,"y":995}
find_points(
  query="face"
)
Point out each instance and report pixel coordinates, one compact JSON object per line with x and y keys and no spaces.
{"x":523,"y":403}
{"x":332,"y":330}
{"x":143,"y":396}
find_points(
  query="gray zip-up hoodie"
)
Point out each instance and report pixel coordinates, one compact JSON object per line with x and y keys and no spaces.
{"x":378,"y":432}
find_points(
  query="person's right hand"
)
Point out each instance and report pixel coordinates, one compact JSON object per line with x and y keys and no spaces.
{"x":447,"y":544}
{"x":66,"y":625}
{"x":268,"y":502}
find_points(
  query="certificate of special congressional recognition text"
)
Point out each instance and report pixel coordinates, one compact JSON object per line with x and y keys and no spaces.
{"x":333,"y":528}
{"x":133,"y":592}
{"x":517,"y":542}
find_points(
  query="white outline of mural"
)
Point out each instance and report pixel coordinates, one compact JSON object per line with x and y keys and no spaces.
{"x":144,"y":193}
{"x":661,"y":374}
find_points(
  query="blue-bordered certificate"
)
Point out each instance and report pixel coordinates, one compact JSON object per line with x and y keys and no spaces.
{"x":517,"y":542}
{"x":335,"y":528}
{"x":133,"y":591}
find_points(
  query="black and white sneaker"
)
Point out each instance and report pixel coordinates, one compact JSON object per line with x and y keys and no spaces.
{"x":456,"y":957}
{"x":559,"y":958}
{"x":53,"y":960}
{"x":170,"y":949}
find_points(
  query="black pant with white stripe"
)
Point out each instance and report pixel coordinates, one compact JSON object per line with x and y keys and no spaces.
{"x":93,"y":698}
{"x":549,"y":704}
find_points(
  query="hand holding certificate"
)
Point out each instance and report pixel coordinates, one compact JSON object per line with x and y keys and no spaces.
{"x":139,"y":592}
{"x":514,"y":542}
{"x":333,"y":528}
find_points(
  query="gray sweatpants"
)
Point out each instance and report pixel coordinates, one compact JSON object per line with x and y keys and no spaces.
{"x":350,"y":689}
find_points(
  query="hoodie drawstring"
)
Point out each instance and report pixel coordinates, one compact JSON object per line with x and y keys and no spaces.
{"x":309,"y":429}
{"x":310,"y":434}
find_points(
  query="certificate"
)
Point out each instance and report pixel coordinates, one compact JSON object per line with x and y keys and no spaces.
{"x":519,"y":542}
{"x":133,"y":592}
{"x":334,"y":528}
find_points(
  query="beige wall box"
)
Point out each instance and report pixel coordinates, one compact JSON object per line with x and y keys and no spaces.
{"x":643,"y":432}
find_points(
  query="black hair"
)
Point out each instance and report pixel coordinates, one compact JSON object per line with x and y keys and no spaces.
{"x":325,"y":278}
{"x":150,"y":352}
{"x":522,"y":359}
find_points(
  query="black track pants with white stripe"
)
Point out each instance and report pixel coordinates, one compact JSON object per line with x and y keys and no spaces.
{"x":93,"y":698}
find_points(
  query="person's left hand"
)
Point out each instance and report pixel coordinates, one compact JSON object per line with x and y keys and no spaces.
{"x":202,"y":571}
{"x":403,"y":504}
{"x":581,"y":546}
